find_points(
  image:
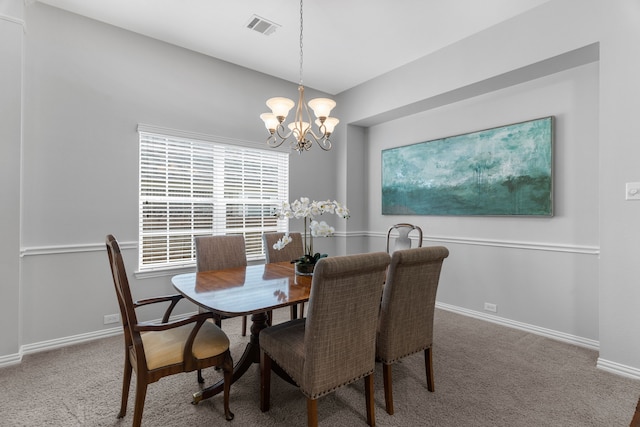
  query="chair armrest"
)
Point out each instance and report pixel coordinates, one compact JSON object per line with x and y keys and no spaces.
{"x":152,"y":326}
{"x":173,"y":298}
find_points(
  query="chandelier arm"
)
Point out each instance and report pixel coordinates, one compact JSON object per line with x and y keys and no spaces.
{"x":273,"y":142}
{"x":282,"y":132}
{"x":301,"y":109}
{"x":276,"y":139}
{"x":325,"y":144}
{"x":323,"y":141}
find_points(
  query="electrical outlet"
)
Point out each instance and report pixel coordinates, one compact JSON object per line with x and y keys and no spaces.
{"x":490,"y":307}
{"x":633,"y":191}
{"x":111,"y":318}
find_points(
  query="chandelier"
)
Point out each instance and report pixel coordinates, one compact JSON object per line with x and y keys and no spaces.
{"x":300,"y":133}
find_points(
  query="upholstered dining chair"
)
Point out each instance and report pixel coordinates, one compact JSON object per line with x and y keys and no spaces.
{"x":403,"y":238}
{"x":407,"y":309}
{"x":335,"y":344}
{"x":219,"y":253}
{"x":292,"y":251}
{"x":156,"y":350}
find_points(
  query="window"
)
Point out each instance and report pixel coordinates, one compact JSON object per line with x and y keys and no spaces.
{"x":191,"y":187}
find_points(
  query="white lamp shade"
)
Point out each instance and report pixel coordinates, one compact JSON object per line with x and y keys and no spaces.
{"x":329,"y":124}
{"x":322,"y":106}
{"x":270,"y":121}
{"x":295,"y":127}
{"x":280,"y":106}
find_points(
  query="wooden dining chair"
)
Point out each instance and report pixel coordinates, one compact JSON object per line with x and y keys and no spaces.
{"x":219,"y":253}
{"x":403,"y":239}
{"x":335,"y":344}
{"x":635,"y":421}
{"x":407,"y":309}
{"x":292,"y":251}
{"x":156,"y":350}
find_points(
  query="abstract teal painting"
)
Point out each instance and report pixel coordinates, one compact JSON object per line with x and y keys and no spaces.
{"x":505,"y":170}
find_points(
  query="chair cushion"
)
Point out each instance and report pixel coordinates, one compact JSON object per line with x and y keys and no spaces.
{"x":164,"y":348}
{"x":284,"y":343}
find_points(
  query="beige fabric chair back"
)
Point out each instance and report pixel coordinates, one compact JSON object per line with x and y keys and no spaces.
{"x":406,"y":312}
{"x":293,"y":250}
{"x":403,"y":239}
{"x":335,"y":345}
{"x":340,"y":329}
{"x":408,"y":302}
{"x":220,"y":252}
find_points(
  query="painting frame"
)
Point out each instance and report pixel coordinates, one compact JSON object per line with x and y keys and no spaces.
{"x":500,"y":171}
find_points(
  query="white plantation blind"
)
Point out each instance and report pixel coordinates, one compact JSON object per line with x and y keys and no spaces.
{"x":192,"y":188}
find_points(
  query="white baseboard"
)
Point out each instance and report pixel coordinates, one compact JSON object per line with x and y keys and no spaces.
{"x":613,"y":367}
{"x":13,"y":359}
{"x":10,"y":359}
{"x":549,"y":333}
{"x":72,"y":340}
{"x":606,"y":365}
{"x":619,"y":369}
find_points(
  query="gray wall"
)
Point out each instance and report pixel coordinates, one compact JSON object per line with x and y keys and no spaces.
{"x":571,"y":276}
{"x":87,"y":86}
{"x":539,"y":271}
{"x":11,"y":34}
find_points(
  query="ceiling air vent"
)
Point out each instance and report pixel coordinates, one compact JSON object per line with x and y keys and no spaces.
{"x":262,"y":25}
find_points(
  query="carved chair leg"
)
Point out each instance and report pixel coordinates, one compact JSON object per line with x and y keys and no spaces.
{"x":312,"y":412}
{"x":635,"y":421}
{"x":218,"y":321}
{"x":265,"y":381}
{"x":141,"y":394}
{"x":428,"y":364}
{"x":369,"y":396}
{"x":200,"y":377}
{"x":227,"y":368}
{"x":126,"y":382}
{"x":388,"y":387}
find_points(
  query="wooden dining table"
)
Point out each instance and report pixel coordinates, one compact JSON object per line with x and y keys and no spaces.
{"x":252,"y":290}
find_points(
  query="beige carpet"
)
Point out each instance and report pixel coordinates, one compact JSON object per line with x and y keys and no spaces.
{"x":485,"y":375}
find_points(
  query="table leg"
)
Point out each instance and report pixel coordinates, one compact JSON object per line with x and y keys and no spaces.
{"x":250,"y":356}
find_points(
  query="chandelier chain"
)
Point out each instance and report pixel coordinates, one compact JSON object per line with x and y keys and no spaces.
{"x":301,"y":55}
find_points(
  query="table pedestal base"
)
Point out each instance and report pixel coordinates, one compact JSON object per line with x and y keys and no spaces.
{"x":250,"y":356}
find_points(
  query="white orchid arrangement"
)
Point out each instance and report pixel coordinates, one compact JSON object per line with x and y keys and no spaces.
{"x":309,"y":210}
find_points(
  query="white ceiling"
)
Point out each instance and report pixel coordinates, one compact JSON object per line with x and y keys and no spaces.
{"x":346,"y":42}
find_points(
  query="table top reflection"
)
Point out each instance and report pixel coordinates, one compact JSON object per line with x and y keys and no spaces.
{"x":245,"y":290}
